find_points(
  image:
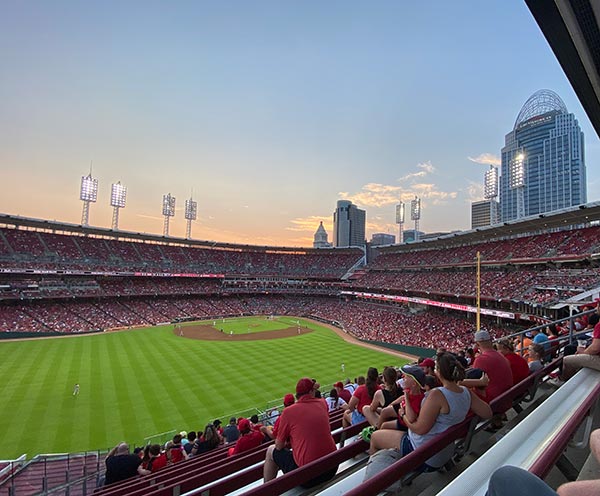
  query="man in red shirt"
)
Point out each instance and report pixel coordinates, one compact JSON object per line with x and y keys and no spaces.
{"x":342,"y":393}
{"x":249,"y":438}
{"x":305,"y":426}
{"x":498,"y":375}
{"x":518,"y":365}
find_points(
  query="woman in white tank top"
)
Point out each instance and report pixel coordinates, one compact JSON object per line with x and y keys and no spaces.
{"x":442,"y":408}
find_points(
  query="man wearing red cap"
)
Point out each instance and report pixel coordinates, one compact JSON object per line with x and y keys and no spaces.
{"x":305,"y":426}
{"x":342,"y":393}
{"x":249,"y":438}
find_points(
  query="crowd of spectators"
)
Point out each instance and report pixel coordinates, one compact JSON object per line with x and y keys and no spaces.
{"x":45,"y":251}
{"x":527,"y":285}
{"x":385,"y":323}
{"x":541,"y":246}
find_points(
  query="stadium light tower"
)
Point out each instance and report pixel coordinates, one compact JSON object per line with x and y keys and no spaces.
{"x":88,"y":194}
{"x":191,"y":213}
{"x":516,"y":181}
{"x":415,"y":214}
{"x":400,"y":219}
{"x":490,"y":192}
{"x":168,"y":210}
{"x":118,"y":195}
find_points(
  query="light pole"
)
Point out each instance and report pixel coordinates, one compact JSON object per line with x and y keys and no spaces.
{"x":490,"y":192}
{"x":415,"y":214}
{"x":118,"y":196}
{"x":88,"y":193}
{"x":400,"y":219}
{"x":191,"y":213}
{"x":168,"y":210}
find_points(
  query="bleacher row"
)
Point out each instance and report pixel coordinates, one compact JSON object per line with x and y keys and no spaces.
{"x":38,"y":249}
{"x":42,"y":250}
{"x":528,"y":285}
{"x":555,"y":245}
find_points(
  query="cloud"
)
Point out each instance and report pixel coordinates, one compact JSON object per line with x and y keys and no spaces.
{"x":382,"y":195}
{"x":474,"y":192}
{"x":153,"y":217}
{"x":429,"y":191}
{"x":374,"y":195}
{"x":486,"y":159}
{"x":381,"y":226}
{"x":426,"y":168}
{"x":311,"y":223}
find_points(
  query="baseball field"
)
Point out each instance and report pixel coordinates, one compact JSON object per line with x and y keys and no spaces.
{"x":137,"y":383}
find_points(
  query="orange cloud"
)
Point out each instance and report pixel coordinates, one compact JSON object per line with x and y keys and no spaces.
{"x":486,"y":159}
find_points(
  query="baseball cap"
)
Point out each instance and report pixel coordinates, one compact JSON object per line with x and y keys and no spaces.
{"x":482,"y":335}
{"x":338,"y":384}
{"x":415,"y":372}
{"x":473,"y":373}
{"x":244,"y":425}
{"x":288,"y":399}
{"x":428,"y":362}
{"x":304,"y":386}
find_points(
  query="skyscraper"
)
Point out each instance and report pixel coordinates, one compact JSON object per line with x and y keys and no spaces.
{"x":543,"y":160}
{"x":348,"y":225}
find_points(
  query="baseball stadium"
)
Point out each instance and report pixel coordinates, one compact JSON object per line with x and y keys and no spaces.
{"x":117,"y":336}
{"x":139,"y":364}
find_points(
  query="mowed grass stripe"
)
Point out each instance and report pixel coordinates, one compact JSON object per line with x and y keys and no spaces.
{"x":124,"y":381}
{"x":135,"y":384}
{"x":41,"y":407}
{"x":18,"y":379}
{"x":66,"y":405}
{"x":94,"y":392}
{"x":166,"y":401}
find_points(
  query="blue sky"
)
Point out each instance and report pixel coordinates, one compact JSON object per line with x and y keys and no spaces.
{"x":269,"y":111}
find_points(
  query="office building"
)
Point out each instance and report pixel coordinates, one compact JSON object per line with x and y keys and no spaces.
{"x":482,"y":213}
{"x":543,"y":160}
{"x":348,"y":225}
{"x":382,"y":239}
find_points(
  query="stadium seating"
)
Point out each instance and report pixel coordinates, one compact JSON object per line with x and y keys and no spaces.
{"x":550,"y":426}
{"x":204,"y":470}
{"x":46,"y":472}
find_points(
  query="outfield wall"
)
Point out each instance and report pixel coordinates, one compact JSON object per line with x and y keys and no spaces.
{"x":409,"y":350}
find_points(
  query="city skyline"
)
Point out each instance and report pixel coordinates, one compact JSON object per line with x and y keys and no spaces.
{"x":267,"y":113}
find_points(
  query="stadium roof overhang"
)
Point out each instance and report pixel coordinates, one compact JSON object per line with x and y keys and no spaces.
{"x":571,"y":29}
{"x":581,"y":215}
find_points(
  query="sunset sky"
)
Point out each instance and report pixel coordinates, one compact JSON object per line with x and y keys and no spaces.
{"x":268,"y":112}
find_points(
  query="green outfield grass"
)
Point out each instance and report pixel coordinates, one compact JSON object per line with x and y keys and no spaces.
{"x":138,"y":383}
